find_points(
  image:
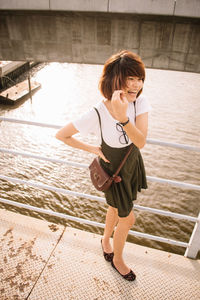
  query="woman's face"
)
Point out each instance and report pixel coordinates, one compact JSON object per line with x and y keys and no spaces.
{"x":133,"y":85}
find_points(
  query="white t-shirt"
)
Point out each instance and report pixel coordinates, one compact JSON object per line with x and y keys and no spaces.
{"x":88,"y":123}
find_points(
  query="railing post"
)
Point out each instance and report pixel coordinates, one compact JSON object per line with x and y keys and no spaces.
{"x":194,"y":243}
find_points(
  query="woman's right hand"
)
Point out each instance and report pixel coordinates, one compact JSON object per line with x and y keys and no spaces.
{"x":119,"y":104}
{"x":98,"y":152}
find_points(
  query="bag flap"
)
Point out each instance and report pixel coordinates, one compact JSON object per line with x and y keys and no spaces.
{"x":98,"y":176}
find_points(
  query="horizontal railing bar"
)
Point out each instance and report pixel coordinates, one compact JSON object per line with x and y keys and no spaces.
{"x":97,"y":198}
{"x":50,"y":212}
{"x":173,"y":145}
{"x":89,"y":222}
{"x":166,"y":213}
{"x":51,"y":188}
{"x":149,"y":141}
{"x":174,"y":183}
{"x":150,"y":178}
{"x":30,"y":123}
{"x":158,"y":239}
{"x":54,"y":160}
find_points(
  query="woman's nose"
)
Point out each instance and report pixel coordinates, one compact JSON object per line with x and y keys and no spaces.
{"x":135,"y":83}
{"x":138,"y":83}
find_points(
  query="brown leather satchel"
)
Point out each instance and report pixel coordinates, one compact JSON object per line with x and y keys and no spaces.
{"x":100,"y":179}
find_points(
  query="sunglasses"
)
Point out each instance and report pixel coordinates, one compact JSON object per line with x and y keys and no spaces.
{"x":123,"y":139}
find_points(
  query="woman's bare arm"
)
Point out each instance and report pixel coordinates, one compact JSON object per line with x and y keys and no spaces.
{"x":65,"y":135}
{"x":138,"y":133}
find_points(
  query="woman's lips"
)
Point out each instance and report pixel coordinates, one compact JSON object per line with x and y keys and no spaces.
{"x":134,"y":93}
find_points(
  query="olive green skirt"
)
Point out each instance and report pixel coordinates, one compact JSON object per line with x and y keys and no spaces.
{"x":122,"y":194}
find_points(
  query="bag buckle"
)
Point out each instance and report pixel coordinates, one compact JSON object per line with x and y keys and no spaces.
{"x":117,"y":179}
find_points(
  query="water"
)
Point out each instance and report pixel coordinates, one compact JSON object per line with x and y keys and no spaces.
{"x":67,"y":91}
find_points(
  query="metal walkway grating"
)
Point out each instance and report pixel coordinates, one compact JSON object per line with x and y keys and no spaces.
{"x":41,"y":260}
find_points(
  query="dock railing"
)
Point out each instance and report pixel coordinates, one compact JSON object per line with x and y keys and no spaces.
{"x":192,"y":247}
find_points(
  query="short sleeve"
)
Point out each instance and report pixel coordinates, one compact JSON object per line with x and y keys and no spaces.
{"x":142,"y":105}
{"x":87,"y":123}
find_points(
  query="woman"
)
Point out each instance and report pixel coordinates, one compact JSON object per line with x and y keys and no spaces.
{"x":124,"y":121}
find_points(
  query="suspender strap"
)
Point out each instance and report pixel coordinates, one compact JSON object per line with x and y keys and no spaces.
{"x":99,"y":123}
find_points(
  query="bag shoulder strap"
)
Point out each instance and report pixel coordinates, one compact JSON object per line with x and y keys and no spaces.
{"x":123,"y":160}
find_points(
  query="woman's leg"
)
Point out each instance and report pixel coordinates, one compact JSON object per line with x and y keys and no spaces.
{"x":111,"y":221}
{"x":119,"y":239}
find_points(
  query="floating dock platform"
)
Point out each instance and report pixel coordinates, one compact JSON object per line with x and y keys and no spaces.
{"x":44,"y":261}
{"x":19,"y":92}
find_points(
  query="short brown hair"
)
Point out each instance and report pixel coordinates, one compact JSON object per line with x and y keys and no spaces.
{"x":117,"y":68}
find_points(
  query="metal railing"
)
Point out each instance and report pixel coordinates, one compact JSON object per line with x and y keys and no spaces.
{"x":192,"y":247}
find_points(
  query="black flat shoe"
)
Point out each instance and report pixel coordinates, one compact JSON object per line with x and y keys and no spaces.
{"x":108,"y":256}
{"x":130,"y":276}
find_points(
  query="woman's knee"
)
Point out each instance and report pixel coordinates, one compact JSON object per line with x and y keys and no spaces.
{"x":129,"y":220}
{"x":113,"y":210}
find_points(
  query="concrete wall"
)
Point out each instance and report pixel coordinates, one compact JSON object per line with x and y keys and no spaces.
{"x":162,"y":42}
{"x":25,"y":4}
{"x":79,"y":5}
{"x":157,"y":7}
{"x":186,"y":8}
